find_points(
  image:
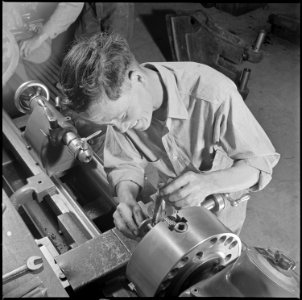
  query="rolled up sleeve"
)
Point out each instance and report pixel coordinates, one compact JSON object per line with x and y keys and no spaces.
{"x":122,"y":162}
{"x":244,"y":139}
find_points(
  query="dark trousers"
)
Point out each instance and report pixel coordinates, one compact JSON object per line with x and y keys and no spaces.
{"x":106,"y":17}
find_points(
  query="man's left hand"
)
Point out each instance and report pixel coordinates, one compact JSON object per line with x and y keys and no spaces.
{"x":189,"y":189}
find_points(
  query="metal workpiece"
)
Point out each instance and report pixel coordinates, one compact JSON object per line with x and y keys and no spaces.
{"x":165,"y":260}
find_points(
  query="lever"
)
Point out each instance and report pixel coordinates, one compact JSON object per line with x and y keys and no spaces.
{"x":93,"y":135}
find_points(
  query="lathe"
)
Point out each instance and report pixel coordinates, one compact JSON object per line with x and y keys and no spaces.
{"x":56,"y":199}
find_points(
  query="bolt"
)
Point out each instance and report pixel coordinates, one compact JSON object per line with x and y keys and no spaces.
{"x":131,"y":286}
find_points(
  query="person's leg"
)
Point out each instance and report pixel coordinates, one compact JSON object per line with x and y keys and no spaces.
{"x":118,"y":18}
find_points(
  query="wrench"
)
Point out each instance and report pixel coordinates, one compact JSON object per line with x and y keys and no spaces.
{"x":33,"y":263}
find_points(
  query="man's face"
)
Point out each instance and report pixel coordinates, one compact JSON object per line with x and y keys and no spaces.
{"x":132,"y":110}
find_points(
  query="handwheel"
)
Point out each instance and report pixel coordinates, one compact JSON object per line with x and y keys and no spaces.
{"x":26,"y":92}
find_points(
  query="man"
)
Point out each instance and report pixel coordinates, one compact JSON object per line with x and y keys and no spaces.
{"x":185,"y":118}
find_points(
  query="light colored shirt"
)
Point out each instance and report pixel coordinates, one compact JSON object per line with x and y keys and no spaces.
{"x":62,"y":17}
{"x":208,"y":127}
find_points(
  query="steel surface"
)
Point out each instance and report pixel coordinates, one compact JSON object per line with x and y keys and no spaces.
{"x":163,"y":253}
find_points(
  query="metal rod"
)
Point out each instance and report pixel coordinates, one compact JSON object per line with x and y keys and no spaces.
{"x":208,"y":204}
{"x":259,"y":40}
{"x":244,"y":79}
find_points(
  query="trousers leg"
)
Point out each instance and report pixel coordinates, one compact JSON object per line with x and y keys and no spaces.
{"x":118,"y":18}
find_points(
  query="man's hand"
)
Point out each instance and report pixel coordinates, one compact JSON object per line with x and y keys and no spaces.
{"x":128,"y":215}
{"x":189,"y":189}
{"x":28,"y":46}
{"x":127,"y":218}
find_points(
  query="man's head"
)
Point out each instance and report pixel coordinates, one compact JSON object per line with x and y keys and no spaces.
{"x":102,"y":79}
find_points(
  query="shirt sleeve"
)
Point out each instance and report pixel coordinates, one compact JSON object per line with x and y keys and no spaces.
{"x":63,"y":16}
{"x":122,"y":161}
{"x":242,"y":138}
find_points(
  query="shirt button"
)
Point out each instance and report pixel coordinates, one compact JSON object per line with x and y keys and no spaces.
{"x":174,"y":157}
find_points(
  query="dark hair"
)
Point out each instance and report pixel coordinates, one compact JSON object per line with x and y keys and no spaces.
{"x":95,"y":65}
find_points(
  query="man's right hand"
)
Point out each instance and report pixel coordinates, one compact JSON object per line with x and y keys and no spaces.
{"x":128,"y":215}
{"x":127,"y":218}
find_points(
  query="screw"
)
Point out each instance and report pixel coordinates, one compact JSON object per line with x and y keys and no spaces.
{"x":195,"y":292}
{"x":62,"y":276}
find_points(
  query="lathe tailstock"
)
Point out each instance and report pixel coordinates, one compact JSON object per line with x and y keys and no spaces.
{"x":57,"y":205}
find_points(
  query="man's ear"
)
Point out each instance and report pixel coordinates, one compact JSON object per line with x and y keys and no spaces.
{"x":135,"y":76}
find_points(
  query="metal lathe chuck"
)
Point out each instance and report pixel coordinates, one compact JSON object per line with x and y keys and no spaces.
{"x":170,"y":259}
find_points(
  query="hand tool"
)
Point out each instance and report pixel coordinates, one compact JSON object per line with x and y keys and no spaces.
{"x":33,"y":263}
{"x":157,"y":209}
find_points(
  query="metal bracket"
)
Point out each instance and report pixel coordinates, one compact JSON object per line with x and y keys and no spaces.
{"x":37,"y":186}
{"x":50,"y":252}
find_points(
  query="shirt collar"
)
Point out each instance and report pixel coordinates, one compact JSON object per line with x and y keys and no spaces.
{"x":176,"y":108}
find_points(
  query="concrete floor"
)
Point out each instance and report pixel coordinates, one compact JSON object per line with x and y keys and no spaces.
{"x":273,"y":214}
